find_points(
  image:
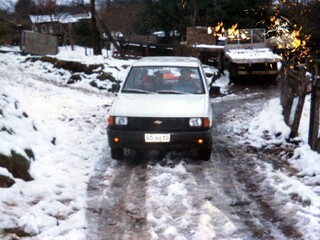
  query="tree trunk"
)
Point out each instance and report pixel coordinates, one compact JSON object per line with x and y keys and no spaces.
{"x":95,"y":34}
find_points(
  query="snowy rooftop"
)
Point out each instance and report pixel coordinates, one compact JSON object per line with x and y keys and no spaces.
{"x":61,"y":18}
{"x":240,"y":55}
{"x":208,"y":46}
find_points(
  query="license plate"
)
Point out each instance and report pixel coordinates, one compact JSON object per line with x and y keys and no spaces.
{"x":156,"y":137}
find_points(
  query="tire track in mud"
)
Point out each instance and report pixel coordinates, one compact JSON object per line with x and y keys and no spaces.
{"x":249,"y":214}
{"x":214,"y":181}
{"x":116,"y":202}
{"x":211,"y":182}
{"x":218,"y":184}
{"x":181,"y":209}
{"x":262,"y":197}
{"x":205,"y":210}
{"x":252,"y":203}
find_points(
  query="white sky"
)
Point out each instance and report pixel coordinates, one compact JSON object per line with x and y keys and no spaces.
{"x":53,"y":205}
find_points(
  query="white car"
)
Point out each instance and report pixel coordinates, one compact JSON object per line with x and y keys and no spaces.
{"x":163,"y":104}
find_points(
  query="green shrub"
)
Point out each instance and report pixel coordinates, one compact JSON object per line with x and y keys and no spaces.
{"x":17,"y":164}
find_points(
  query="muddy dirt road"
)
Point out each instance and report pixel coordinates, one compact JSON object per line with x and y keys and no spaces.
{"x":152,"y":196}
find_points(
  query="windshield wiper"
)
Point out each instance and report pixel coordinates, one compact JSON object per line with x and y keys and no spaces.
{"x":172,"y":92}
{"x":135,"y":90}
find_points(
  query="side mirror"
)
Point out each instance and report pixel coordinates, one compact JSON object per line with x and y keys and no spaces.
{"x":115,"y":88}
{"x":209,"y":75}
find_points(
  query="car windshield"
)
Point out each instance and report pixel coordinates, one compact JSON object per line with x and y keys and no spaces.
{"x":164,"y":80}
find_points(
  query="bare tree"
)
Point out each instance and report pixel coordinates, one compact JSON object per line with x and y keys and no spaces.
{"x":46,"y":6}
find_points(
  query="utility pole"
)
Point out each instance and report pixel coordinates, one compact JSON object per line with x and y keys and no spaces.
{"x":95,"y":33}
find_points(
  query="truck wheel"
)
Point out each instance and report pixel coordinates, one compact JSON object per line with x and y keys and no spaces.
{"x":117,"y":153}
{"x":204,"y":154}
{"x":272,"y":78}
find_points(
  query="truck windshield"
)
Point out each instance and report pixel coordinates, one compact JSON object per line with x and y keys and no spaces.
{"x":164,"y":80}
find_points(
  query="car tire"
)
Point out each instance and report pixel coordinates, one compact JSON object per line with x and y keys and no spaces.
{"x":234,"y":80}
{"x":204,"y":154}
{"x":117,"y":153}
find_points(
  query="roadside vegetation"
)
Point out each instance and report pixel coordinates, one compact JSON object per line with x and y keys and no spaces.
{"x":16,"y":160}
{"x":145,"y":17}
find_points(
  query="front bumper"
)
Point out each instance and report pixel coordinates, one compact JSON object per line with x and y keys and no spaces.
{"x":186,"y":140}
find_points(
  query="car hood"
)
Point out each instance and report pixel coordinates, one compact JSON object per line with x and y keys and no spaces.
{"x":160,"y":105}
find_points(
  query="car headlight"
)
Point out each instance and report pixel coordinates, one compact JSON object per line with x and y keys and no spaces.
{"x":195,"y":122}
{"x":121,"y":120}
{"x":199,"y":122}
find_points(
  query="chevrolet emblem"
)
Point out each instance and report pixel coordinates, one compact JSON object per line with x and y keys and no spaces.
{"x":158,"y":122}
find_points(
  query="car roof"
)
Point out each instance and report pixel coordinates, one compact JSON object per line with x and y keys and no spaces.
{"x":168,"y":61}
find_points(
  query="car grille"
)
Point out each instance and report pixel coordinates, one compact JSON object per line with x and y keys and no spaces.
{"x":158,"y":124}
{"x":152,"y":124}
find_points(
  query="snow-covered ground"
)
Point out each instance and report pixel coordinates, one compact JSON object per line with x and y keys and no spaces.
{"x":66,"y":130}
{"x":65,"y":127}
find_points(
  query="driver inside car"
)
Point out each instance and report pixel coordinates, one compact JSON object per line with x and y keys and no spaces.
{"x":186,"y":83}
{"x":146,"y":83}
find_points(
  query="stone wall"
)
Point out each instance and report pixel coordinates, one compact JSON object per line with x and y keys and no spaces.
{"x":39,"y":43}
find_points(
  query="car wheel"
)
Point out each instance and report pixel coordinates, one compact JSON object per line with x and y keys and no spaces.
{"x":117,"y":153}
{"x":204,"y":154}
{"x":233,"y":80}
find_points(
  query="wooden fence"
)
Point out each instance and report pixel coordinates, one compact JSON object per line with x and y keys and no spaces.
{"x":314,"y":134}
{"x":295,"y":85}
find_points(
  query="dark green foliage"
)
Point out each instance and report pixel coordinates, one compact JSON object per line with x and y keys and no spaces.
{"x":76,"y":77}
{"x":17,"y":164}
{"x":17,"y":231}
{"x":8,"y":30}
{"x":304,"y":14}
{"x":77,"y":66}
{"x":178,"y":15}
{"x":9,"y":131}
{"x":93,"y":84}
{"x":82,"y":33}
{"x":106,"y":76}
{"x":169,"y":15}
{"x":245,"y":13}
{"x":72,"y":66}
{"x":6,"y":182}
{"x":47,"y":59}
{"x":24,"y":8}
{"x":5,"y":31}
{"x":164,"y":15}
{"x":29,"y":153}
